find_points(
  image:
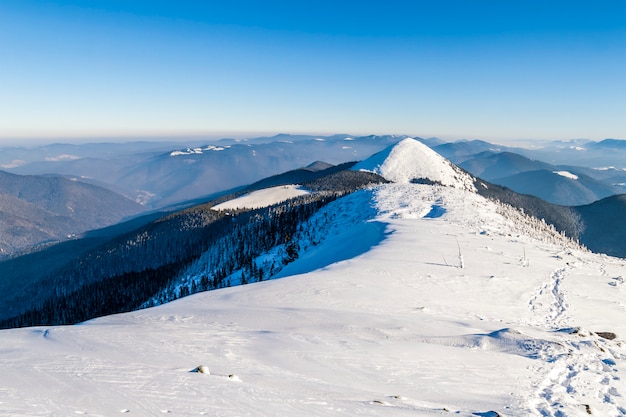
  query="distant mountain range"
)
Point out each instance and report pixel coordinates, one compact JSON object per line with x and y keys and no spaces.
{"x":491,"y":165}
{"x":167,"y":176}
{"x":558,"y":184}
{"x":605,"y":153}
{"x":398,"y":285}
{"x":35,"y":210}
{"x":559,"y":187}
{"x":158,"y":175}
{"x":149,"y":252}
{"x":141,"y":257}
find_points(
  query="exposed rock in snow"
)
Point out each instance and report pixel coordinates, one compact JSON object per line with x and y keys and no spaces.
{"x":202,"y":369}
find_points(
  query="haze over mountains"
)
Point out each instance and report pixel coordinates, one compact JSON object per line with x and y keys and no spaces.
{"x":40,"y":209}
{"x":559,"y":184}
{"x":524,"y":170}
{"x":157,"y":175}
{"x":163,"y":244}
{"x":154,"y":175}
{"x":160,"y":174}
{"x":415,"y":297}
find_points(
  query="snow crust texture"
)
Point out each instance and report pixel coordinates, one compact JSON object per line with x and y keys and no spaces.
{"x":453,"y":305}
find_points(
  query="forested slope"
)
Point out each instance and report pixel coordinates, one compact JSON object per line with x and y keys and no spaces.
{"x":130,"y":269}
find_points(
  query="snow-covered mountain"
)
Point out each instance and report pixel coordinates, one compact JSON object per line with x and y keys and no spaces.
{"x":159,"y":174}
{"x":163,"y":174}
{"x":411,"y":161}
{"x":405,"y":300}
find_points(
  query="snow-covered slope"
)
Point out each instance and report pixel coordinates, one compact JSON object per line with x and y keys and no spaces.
{"x":263,"y":198}
{"x":410,"y":160}
{"x":455,"y":306}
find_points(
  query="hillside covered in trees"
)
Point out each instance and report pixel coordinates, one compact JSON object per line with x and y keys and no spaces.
{"x":160,"y":258}
{"x":135,"y":268}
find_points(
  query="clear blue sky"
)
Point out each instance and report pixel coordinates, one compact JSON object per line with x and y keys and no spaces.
{"x":497,"y":70}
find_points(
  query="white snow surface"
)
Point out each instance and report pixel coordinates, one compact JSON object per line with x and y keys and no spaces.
{"x":263,"y":198}
{"x":198,"y":151}
{"x":566,"y":174}
{"x":394,"y":328}
{"x":410,"y":159}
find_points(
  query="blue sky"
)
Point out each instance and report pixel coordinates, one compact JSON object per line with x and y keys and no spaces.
{"x":497,"y":70}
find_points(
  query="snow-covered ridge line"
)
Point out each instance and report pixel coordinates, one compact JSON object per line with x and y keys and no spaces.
{"x":356,"y":222}
{"x":396,"y":328}
{"x":198,"y":151}
{"x":485,"y":216}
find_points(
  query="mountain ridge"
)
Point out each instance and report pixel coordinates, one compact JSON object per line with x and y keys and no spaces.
{"x":449,"y":304}
{"x":42,"y":209}
{"x":168,"y":245}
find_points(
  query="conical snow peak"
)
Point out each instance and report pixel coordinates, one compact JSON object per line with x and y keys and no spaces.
{"x":411,"y":161}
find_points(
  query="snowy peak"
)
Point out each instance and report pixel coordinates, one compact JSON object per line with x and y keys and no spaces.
{"x":411,"y":161}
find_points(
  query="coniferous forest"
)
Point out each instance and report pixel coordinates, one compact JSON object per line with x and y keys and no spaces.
{"x":145,"y":263}
{"x":143,"y":267}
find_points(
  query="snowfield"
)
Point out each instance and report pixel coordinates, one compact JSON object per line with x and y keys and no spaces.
{"x":263,"y":198}
{"x":451,"y":308}
{"x":566,"y":174}
{"x":405,"y":300}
